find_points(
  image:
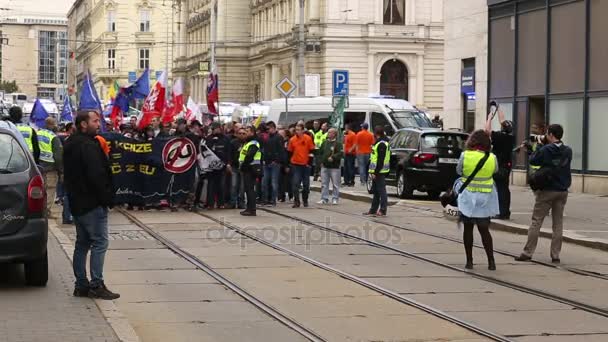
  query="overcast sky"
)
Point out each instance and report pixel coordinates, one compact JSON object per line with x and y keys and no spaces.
{"x":38,"y":7}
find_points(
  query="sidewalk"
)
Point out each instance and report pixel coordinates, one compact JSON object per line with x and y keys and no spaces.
{"x":585,"y":221}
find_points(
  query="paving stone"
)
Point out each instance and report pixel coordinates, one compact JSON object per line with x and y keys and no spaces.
{"x":236,"y":310}
{"x":159,"y":277}
{"x":172,"y":292}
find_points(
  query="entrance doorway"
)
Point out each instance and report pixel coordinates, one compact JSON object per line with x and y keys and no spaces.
{"x":393,"y":79}
{"x":469,"y":107}
{"x":537,"y":115}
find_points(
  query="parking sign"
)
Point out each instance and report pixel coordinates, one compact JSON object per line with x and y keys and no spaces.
{"x":340,"y":83}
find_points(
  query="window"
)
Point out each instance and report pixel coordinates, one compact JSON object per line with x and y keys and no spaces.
{"x":354,"y":119}
{"x":111,"y":21}
{"x":569,"y":114}
{"x":598,"y":121}
{"x":46,"y":93}
{"x":379,"y":119}
{"x":433,"y":142}
{"x":12,"y":157}
{"x":398,"y":140}
{"x":111,"y":58}
{"x":144,"y":21}
{"x":394,"y":12}
{"x":144,"y":58}
{"x":412,"y":141}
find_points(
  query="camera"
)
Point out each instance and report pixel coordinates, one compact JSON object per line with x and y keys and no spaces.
{"x":539,"y":139}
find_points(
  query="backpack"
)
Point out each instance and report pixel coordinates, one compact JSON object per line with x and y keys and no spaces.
{"x":544,"y":176}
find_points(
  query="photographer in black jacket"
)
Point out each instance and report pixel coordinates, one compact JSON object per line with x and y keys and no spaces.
{"x":503,"y":142}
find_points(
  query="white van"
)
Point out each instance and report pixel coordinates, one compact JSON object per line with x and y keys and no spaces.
{"x":393,"y":114}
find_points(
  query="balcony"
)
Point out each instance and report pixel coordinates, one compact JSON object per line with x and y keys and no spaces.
{"x":144,"y":37}
{"x":108,"y":73}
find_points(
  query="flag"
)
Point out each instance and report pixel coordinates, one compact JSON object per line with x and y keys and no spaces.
{"x":141,"y":87}
{"x":336,"y":119}
{"x":154,"y":105}
{"x":193,"y":112}
{"x":258,"y":121}
{"x":112,"y":92}
{"x":67,"y":114}
{"x":39,"y":114}
{"x":121,"y":105}
{"x":178,"y":96}
{"x":89,"y":99}
{"x":213,"y":94}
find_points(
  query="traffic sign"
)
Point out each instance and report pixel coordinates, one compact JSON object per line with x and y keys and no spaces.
{"x":179,"y":155}
{"x":335,"y":101}
{"x":340,"y":80}
{"x":286,"y":86}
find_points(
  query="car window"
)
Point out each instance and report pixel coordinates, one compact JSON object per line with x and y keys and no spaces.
{"x":355,"y":119}
{"x":12,"y":157}
{"x":412,"y":141}
{"x":398,"y":141}
{"x":379,"y":119}
{"x":432,"y":142}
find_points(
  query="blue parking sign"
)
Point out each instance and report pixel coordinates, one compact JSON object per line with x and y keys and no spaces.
{"x":132,"y":77}
{"x":340,"y":83}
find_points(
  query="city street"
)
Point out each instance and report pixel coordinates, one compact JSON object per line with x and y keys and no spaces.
{"x":327,"y":273}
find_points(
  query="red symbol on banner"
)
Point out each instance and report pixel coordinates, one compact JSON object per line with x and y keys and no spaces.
{"x":179,"y":155}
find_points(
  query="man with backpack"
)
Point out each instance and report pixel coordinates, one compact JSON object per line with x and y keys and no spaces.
{"x":550,"y":184}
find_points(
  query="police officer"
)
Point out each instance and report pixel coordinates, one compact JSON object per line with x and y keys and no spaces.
{"x":503,"y":142}
{"x":319,"y":137}
{"x":29,"y":134}
{"x":50,"y":147}
{"x":250,"y":163}
{"x":379,"y":167}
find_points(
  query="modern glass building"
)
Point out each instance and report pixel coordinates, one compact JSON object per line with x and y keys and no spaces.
{"x":547,"y":64}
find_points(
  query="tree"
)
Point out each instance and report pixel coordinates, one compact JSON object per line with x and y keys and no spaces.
{"x":9,"y":87}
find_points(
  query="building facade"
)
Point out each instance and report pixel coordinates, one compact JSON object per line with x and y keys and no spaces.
{"x":116,"y":40}
{"x":390,"y":47}
{"x":35,"y":55}
{"x":545,"y":65}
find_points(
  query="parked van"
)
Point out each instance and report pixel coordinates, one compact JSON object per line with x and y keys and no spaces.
{"x":393,"y":114}
{"x":18,"y":99}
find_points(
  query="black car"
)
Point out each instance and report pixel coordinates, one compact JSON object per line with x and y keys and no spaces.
{"x":23,"y":209}
{"x":424,"y":159}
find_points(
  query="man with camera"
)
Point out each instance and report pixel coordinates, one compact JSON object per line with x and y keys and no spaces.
{"x":502,"y":146}
{"x":550,"y":184}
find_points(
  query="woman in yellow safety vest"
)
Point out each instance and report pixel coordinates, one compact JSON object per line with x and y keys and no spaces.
{"x":479,"y":200}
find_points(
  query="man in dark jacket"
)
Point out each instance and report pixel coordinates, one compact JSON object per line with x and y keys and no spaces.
{"x":221,"y":146}
{"x":330,"y":155}
{"x":88,"y":182}
{"x":379,"y":168}
{"x":557,"y":157}
{"x":237,"y":199}
{"x":274,"y":158}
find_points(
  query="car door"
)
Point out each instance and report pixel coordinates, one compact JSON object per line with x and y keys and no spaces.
{"x":396,"y":144}
{"x":14,"y":180}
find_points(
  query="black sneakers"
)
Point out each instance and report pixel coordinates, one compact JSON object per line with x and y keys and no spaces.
{"x":523,"y":257}
{"x":81,"y":292}
{"x":102,"y":292}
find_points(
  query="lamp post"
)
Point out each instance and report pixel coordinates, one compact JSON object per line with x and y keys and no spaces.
{"x":301,"y":49}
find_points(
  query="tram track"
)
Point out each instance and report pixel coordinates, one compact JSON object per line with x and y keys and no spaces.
{"x":525,"y":289}
{"x":198,"y":263}
{"x":360,"y":281}
{"x":574,"y":270}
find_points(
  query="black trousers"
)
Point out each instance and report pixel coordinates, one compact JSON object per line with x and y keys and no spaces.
{"x":483,"y":225}
{"x":215,"y":188}
{"x":249,"y":181}
{"x":504,"y":194}
{"x":199,"y":189}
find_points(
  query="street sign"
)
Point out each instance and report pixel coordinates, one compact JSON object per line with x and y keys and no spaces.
{"x":336,"y":100}
{"x":340,"y":79}
{"x":179,"y":155}
{"x":312,"y":84}
{"x":132,"y":77}
{"x":158,"y":74}
{"x":286,"y":86}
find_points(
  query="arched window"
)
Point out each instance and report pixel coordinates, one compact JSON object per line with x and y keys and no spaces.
{"x":393,"y":79}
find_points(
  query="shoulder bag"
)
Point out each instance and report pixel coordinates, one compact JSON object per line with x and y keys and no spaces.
{"x":450,"y":197}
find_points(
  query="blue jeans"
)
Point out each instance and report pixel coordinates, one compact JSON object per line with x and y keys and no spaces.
{"x":363,"y":161}
{"x":380,"y":197}
{"x":326,"y":176}
{"x":271,"y":178}
{"x":91,"y":234}
{"x":301,"y":175}
{"x":349,"y":168}
{"x":237,"y":196}
{"x":65,"y":215}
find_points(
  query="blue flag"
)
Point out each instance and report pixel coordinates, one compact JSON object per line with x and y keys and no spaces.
{"x":67,"y":114}
{"x":141,"y":87}
{"x":39,"y":114}
{"x":88,"y":95}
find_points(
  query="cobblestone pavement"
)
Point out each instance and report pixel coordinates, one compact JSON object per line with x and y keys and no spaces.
{"x":51,"y":313}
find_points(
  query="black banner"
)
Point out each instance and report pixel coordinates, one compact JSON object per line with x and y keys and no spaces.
{"x":139,"y":175}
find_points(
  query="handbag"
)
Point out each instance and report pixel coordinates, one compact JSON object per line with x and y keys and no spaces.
{"x":450,"y":197}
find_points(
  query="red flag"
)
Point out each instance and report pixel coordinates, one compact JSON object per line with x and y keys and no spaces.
{"x":177,"y":105}
{"x":154,"y":105}
{"x":213,"y":93}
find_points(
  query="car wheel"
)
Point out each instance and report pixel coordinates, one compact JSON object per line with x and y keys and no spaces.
{"x":37,"y":271}
{"x":370,"y":185}
{"x":434,"y":195}
{"x":404,"y":190}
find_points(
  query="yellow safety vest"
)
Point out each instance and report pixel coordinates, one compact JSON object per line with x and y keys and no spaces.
{"x":373,"y":160}
{"x":45,"y":139}
{"x":533,"y":168}
{"x":483,"y":181}
{"x":257,"y":158}
{"x":27,"y":133}
{"x":320,"y":138}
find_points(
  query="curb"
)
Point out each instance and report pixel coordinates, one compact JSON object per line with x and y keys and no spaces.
{"x":117,"y":320}
{"x":498,"y":225}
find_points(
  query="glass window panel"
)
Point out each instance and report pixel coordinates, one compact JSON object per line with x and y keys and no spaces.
{"x":502,"y":63}
{"x":532,"y":55}
{"x":598,"y":121}
{"x":568,"y":48}
{"x":569,"y":114}
{"x":507,"y":108}
{"x":598,"y":49}
{"x":394,"y":12}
